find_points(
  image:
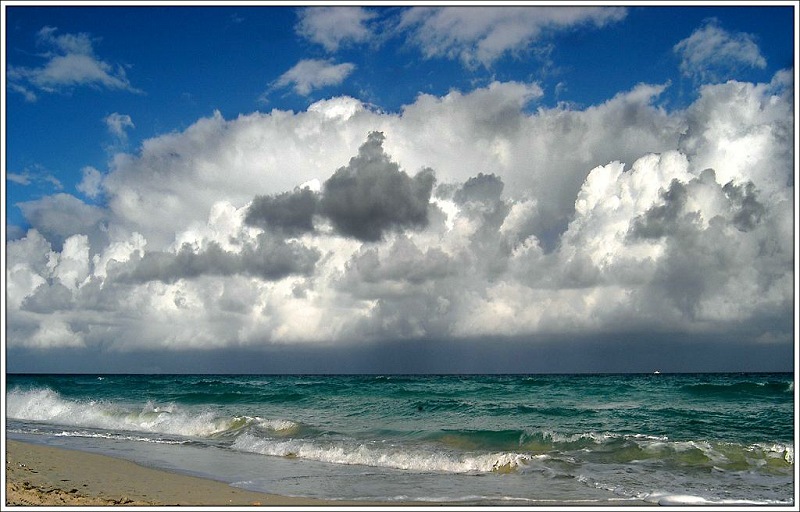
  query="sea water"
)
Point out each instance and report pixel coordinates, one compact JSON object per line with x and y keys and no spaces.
{"x":483,"y":439}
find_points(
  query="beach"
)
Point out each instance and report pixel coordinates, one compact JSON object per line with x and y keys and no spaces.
{"x":38,"y":475}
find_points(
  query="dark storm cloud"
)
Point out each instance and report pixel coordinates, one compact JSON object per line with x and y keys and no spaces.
{"x":291,"y":213}
{"x":270,"y":259}
{"x":372,"y":196}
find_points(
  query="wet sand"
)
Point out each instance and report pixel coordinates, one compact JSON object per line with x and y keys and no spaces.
{"x":39,"y":475}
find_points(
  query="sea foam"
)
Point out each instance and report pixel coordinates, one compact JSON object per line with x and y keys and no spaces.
{"x":45,"y":405}
{"x":379,"y":455}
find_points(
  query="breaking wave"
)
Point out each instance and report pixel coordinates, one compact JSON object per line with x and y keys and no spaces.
{"x":378,"y":455}
{"x":45,"y":405}
{"x":439,"y":450}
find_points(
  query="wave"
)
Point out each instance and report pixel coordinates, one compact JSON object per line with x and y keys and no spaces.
{"x":465,"y":454}
{"x":45,"y":405}
{"x":118,"y":437}
{"x":440,"y":450}
{"x":376,"y":454}
{"x":667,"y":499}
{"x":746,"y":389}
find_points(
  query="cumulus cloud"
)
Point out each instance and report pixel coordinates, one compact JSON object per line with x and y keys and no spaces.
{"x":661,"y":220}
{"x":290,"y":212}
{"x":61,"y":215}
{"x":402,"y":261}
{"x":481,"y":35}
{"x":54,"y":333}
{"x":712,"y":53}
{"x":481,"y":188}
{"x":71,"y":62}
{"x":310,"y":74}
{"x":364,"y":200}
{"x":371,"y":195}
{"x":268,"y":258}
{"x":468,"y":214}
{"x":333,"y":27}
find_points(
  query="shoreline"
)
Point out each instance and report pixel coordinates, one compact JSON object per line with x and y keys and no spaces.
{"x":39,"y":475}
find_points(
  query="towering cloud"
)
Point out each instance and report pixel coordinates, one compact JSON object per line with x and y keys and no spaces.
{"x":464,"y":215}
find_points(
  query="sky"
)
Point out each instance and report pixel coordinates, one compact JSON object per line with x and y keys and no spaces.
{"x":270,"y":188}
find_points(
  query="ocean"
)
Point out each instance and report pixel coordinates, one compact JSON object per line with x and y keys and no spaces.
{"x":486,"y":440}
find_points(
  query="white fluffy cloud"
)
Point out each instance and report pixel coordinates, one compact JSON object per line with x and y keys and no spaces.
{"x":310,"y":74}
{"x":481,"y":35}
{"x":71,"y":62}
{"x":604,"y":219}
{"x":711,"y":53}
{"x":333,"y":27}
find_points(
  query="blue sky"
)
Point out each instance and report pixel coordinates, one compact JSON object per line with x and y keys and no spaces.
{"x":99,"y":99}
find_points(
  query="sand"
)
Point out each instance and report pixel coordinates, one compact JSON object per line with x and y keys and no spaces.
{"x":39,"y":475}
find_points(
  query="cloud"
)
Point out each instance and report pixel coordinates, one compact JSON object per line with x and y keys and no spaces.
{"x":333,"y":27}
{"x":19,"y":179}
{"x":481,"y":188}
{"x":310,"y":74}
{"x":371,"y":195}
{"x":748,"y":209}
{"x":268,"y":258}
{"x":364,"y":200}
{"x":61,"y":215}
{"x":291,"y":213}
{"x":35,"y":174}
{"x":46,"y":299}
{"x":661,"y":220}
{"x":91,"y":182}
{"x":400,"y":262}
{"x":482,"y":35}
{"x":71,"y":62}
{"x":744,"y":132}
{"x":54,"y":333}
{"x":712,"y":54}
{"x":117,"y":124}
{"x":460,"y":216}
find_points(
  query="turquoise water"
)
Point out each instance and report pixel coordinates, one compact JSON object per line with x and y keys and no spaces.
{"x":509,"y":439}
